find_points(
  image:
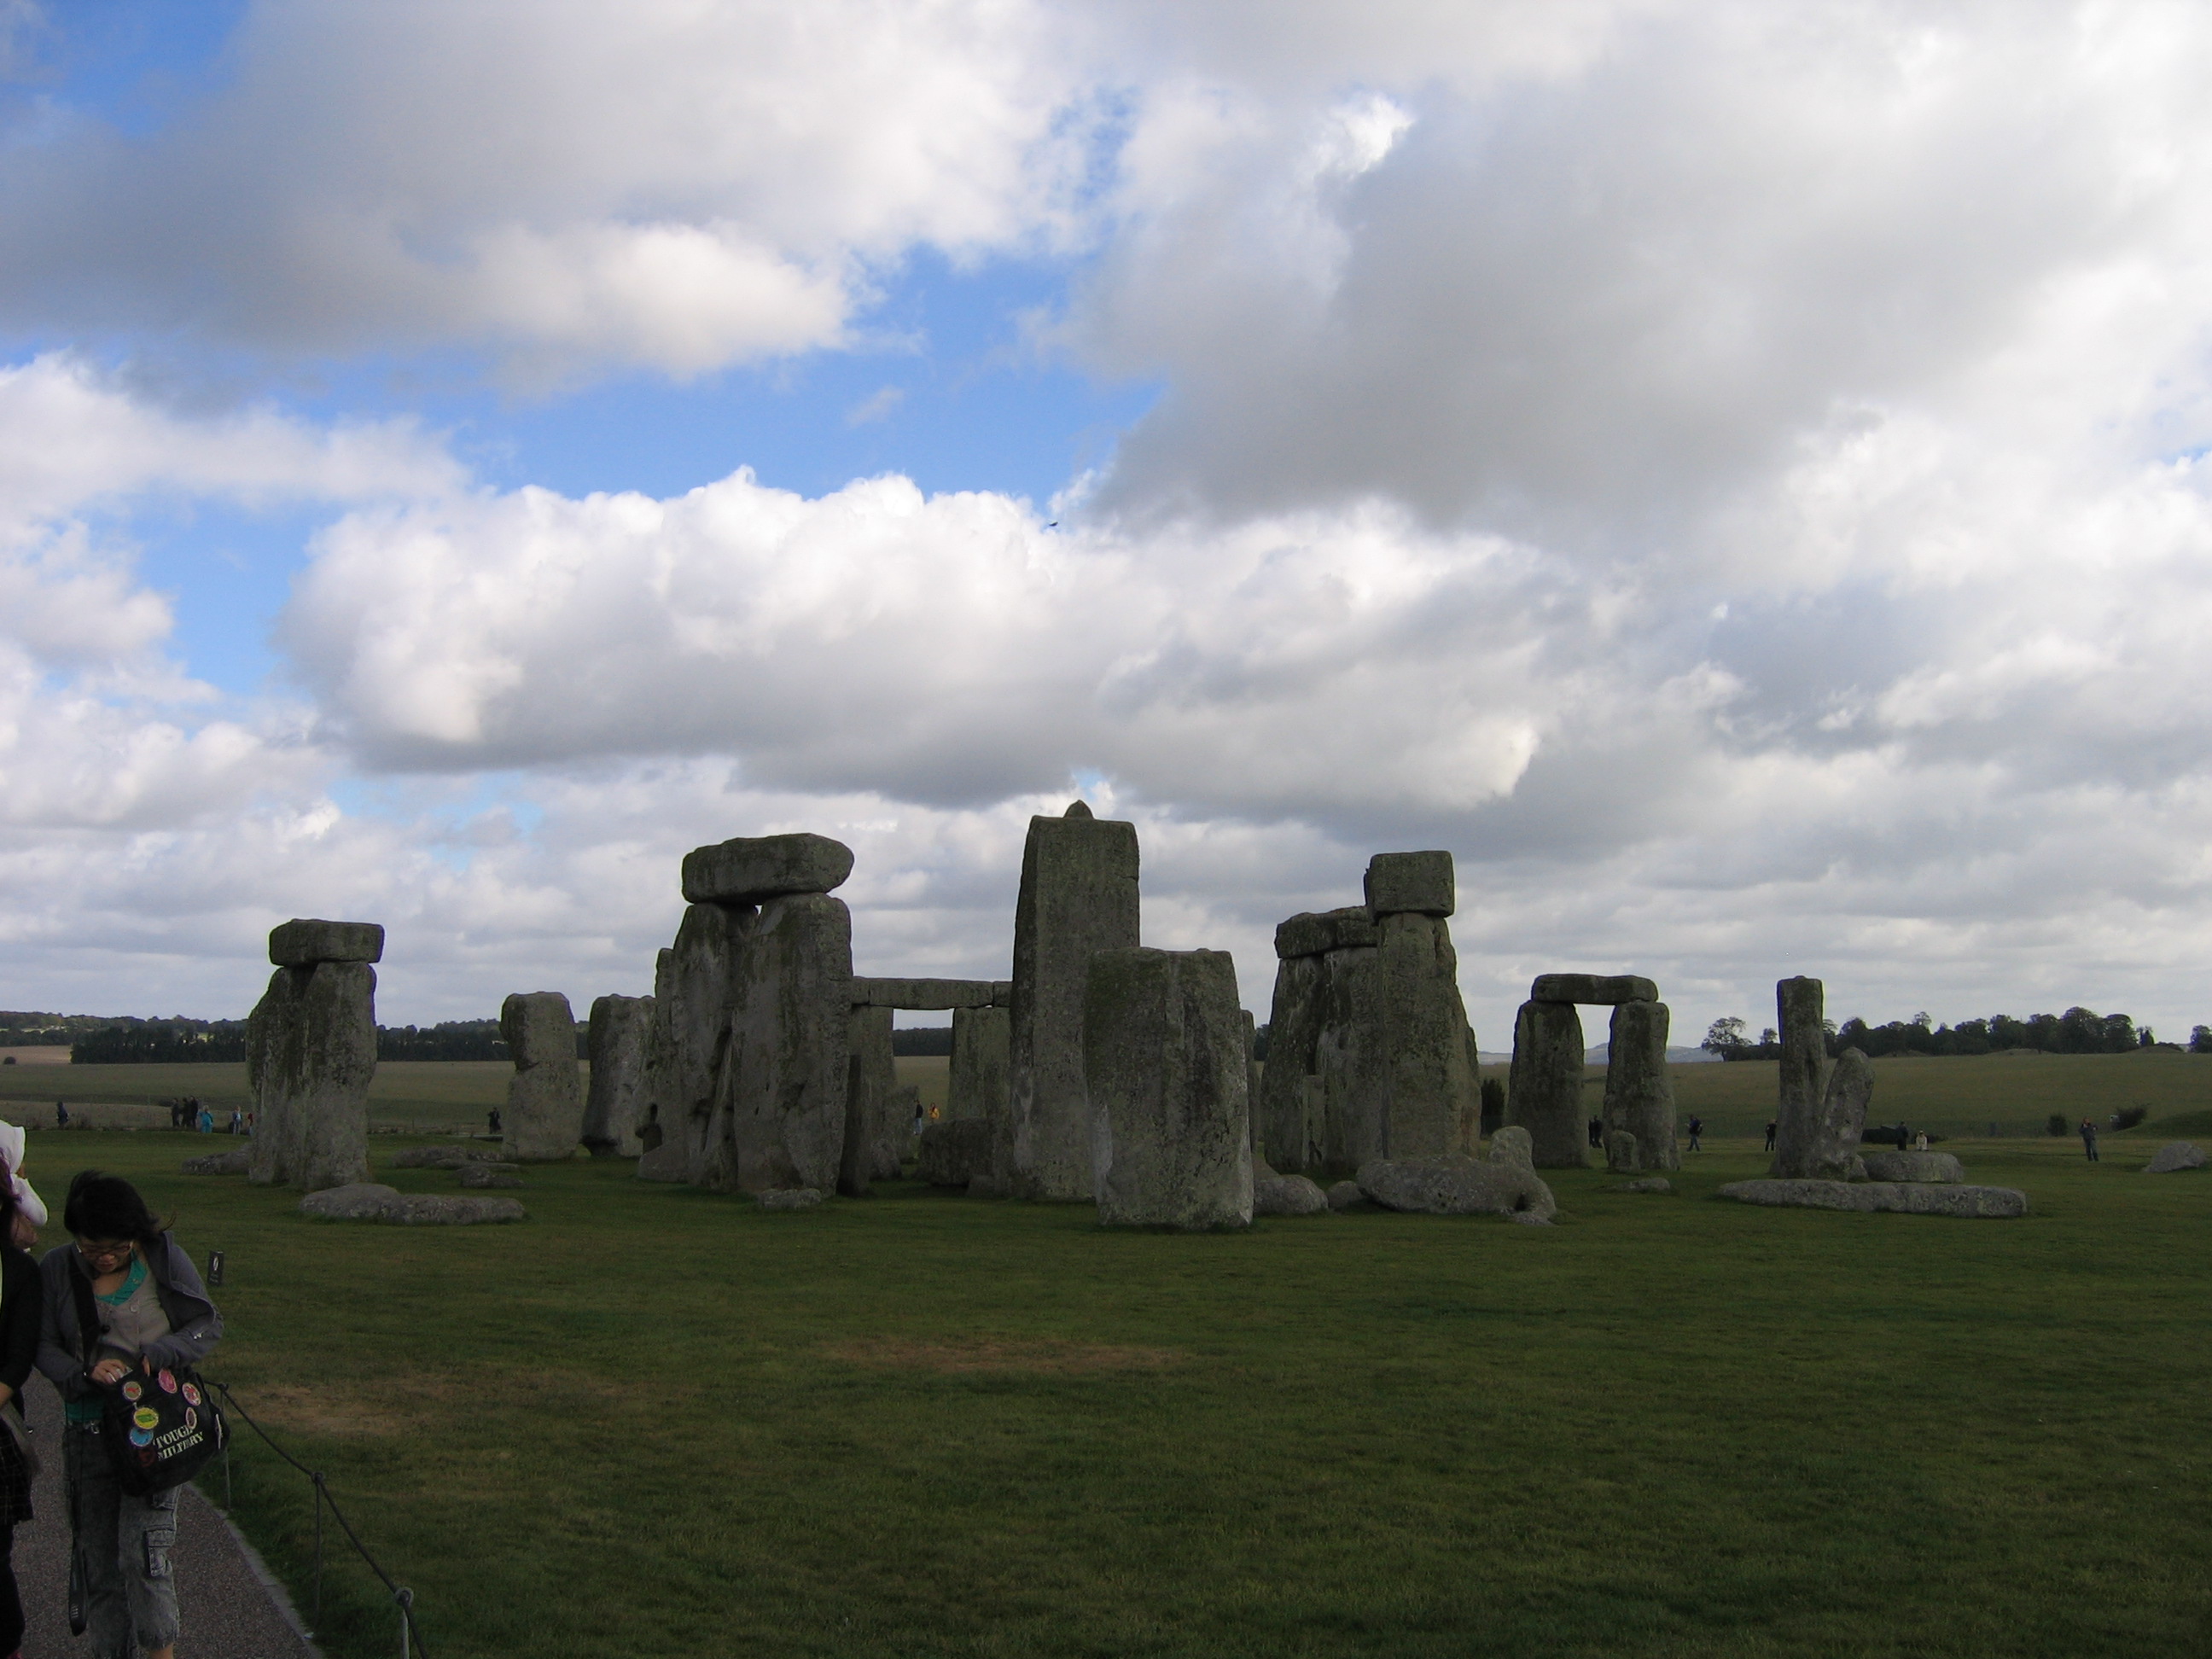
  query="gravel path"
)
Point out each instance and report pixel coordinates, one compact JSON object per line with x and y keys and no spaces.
{"x":228,"y":1612}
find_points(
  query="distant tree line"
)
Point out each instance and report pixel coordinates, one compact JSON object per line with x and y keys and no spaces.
{"x":173,"y":1042}
{"x":2077,"y":1031}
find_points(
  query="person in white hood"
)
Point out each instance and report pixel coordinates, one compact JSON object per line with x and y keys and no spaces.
{"x":29,"y":1205}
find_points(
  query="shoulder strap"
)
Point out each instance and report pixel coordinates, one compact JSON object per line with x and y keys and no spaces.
{"x":87,"y":1317}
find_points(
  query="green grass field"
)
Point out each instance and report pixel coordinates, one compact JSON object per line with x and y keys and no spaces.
{"x":652,"y":1421}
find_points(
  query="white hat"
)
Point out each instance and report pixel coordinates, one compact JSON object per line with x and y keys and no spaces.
{"x":11,"y":1159}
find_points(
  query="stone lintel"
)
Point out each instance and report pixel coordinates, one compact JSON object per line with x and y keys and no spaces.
{"x":1600,"y":989}
{"x":927,"y":993}
{"x":301,"y":943}
{"x":754,"y":868}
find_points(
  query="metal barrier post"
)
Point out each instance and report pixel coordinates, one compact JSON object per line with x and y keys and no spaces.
{"x":406,"y":1600}
{"x":318,"y":1480}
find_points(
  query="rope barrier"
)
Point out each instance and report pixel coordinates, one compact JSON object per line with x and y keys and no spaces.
{"x":411,"y":1638}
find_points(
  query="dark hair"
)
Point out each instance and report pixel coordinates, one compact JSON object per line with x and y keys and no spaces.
{"x":108,"y":1206}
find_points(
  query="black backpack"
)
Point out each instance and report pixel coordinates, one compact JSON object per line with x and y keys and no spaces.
{"x":160,"y":1426}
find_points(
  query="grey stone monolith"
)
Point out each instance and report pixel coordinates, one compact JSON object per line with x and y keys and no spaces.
{"x":1457,"y":1186}
{"x":1418,"y":883}
{"x":1078,"y":897}
{"x":1621,"y":1151}
{"x":1350,"y":1061}
{"x":658,"y":1124}
{"x":1543,"y":1089}
{"x":1906,"y":1198}
{"x":304,"y":941}
{"x":620,"y":1035}
{"x":779,"y":1098}
{"x":1163,"y":1052}
{"x":870,"y":1082}
{"x":1599,"y":990}
{"x":1799,"y":1020}
{"x":1840,"y":1124}
{"x":977,"y":1085}
{"x":2175,"y":1157}
{"x":1640,"y":1098}
{"x":1434,"y":1108}
{"x":311,"y":1056}
{"x":545,"y":1115}
{"x":1941,"y":1168}
{"x":754,"y":869}
{"x":695,"y":996}
{"x":1287,"y":1139}
{"x":954,"y":1151}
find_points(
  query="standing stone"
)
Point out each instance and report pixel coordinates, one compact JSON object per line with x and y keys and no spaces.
{"x":780,"y":1100}
{"x":870,"y":1081}
{"x":1544,"y":1090}
{"x":1351,"y":1060}
{"x":656,"y":1117}
{"x":1252,"y":1086}
{"x":545,"y":1115}
{"x":621,"y":1036}
{"x":695,"y":998}
{"x":981,"y":1039}
{"x":311,"y":1056}
{"x":1639,"y":1096}
{"x":1418,"y":883}
{"x":1621,"y":1151}
{"x":1799,"y":1019}
{"x":1289,"y":1137}
{"x":1163,"y":1052}
{"x":1434,"y":1108}
{"x":1840,"y":1124}
{"x":1079,"y":896}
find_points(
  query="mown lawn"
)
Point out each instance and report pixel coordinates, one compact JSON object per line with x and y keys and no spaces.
{"x":650,"y":1421}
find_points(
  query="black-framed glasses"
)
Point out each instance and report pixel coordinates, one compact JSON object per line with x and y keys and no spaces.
{"x":104,"y":1252}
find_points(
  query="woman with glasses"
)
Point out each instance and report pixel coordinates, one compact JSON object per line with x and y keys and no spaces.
{"x":122,"y":1297}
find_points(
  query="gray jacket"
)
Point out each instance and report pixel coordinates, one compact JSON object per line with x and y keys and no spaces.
{"x":66,"y":1352}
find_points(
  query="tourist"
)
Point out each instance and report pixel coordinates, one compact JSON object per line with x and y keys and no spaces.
{"x":206,"y":1121}
{"x":20,"y":1316}
{"x":237,"y":1122}
{"x":1772,"y":1124}
{"x":1597,"y":1132}
{"x":2089,"y":1140}
{"x":61,"y":1115}
{"x":1920,"y":1141}
{"x":492,"y":1118}
{"x":123,"y":1295}
{"x":1697,"y":1129}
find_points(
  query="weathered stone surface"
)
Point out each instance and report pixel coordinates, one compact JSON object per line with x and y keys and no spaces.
{"x":1909,"y":1198}
{"x":1913,"y":1166}
{"x":1286,"y":1194}
{"x":667,"y":1161}
{"x":1600,"y":989}
{"x":1079,"y":896}
{"x":439,"y":1158}
{"x":901,"y":1137}
{"x":1344,"y":1194}
{"x":790,"y":1198}
{"x":302,"y":943}
{"x":1529,"y":1219}
{"x":1799,"y":1013}
{"x":919,"y":994}
{"x":871,"y":1080}
{"x":1840,"y":1123}
{"x":237,"y":1161}
{"x":981,"y":1041}
{"x":781,"y":1091}
{"x":311,"y":1056}
{"x":2175,"y":1156}
{"x":1420,"y":883}
{"x":1621,"y":1150}
{"x":1349,"y":1058}
{"x":1289,"y":1135}
{"x":619,"y":1036}
{"x":1456,"y":1186}
{"x":954,"y":1151}
{"x":1434,"y":1105}
{"x":754,"y":869}
{"x":1544,"y":1090}
{"x":1163,"y":1052}
{"x":1512,"y":1145}
{"x":1638,"y":1096}
{"x":1649,"y":1184}
{"x":491,"y":1175}
{"x":658,"y":1121}
{"x":369,"y":1201}
{"x":1310,"y":932}
{"x":544,"y":1117}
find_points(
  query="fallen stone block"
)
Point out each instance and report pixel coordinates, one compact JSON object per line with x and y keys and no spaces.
{"x":1529,"y":1219}
{"x":441,"y":1158}
{"x":955,"y":1151}
{"x":1620,"y":1152}
{"x":790,"y":1198}
{"x":1941,"y":1167}
{"x":1344,"y":1194}
{"x":235,"y":1162}
{"x":303,"y":943}
{"x":1649,"y":1184}
{"x":2175,"y":1156}
{"x":1420,"y":883}
{"x":491,"y":1175}
{"x":367,"y":1200}
{"x":917,"y":994}
{"x":1315,"y":932}
{"x":1286,"y":1194}
{"x":1456,"y":1186}
{"x":1906,"y":1198}
{"x":1511,"y":1144}
{"x":1608,"y":990}
{"x":753,"y":869}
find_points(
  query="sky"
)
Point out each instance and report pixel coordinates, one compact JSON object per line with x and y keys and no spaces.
{"x":1733,"y":475}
